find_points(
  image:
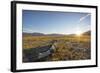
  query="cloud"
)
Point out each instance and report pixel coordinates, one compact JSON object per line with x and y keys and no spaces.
{"x":82,"y":18}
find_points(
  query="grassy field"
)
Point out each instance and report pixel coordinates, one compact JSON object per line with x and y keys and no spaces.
{"x":66,"y":47}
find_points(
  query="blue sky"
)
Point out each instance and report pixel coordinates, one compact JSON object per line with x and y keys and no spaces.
{"x":55,"y":22}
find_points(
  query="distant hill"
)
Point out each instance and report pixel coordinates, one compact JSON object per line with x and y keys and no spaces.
{"x":84,"y":33}
{"x":87,"y":33}
{"x":53,"y":34}
{"x":41,"y":34}
{"x":33,"y":34}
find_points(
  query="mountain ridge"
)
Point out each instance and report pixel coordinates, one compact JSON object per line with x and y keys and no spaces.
{"x":53,"y":34}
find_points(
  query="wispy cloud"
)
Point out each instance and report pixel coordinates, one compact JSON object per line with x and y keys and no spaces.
{"x":82,"y":18}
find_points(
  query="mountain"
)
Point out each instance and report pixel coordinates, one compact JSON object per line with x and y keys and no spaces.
{"x":33,"y":34}
{"x":87,"y":33}
{"x":55,"y":34}
{"x":40,"y":34}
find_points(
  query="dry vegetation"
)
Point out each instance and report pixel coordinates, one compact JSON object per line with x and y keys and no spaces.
{"x":66,"y":47}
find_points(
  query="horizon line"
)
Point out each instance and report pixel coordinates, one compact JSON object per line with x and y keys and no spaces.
{"x":54,"y":33}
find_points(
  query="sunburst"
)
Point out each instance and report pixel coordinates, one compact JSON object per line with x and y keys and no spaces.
{"x":78,"y":33}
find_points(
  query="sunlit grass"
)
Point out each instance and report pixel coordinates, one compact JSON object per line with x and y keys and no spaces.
{"x":66,"y":46}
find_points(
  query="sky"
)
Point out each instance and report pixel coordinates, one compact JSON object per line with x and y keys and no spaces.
{"x":49,"y":22}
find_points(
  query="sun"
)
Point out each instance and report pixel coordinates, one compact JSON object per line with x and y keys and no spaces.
{"x":79,"y":33}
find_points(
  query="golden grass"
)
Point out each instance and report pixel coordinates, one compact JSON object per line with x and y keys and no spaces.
{"x":67,"y":47}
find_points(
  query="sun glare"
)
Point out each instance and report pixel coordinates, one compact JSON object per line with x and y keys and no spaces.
{"x":79,"y":33}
